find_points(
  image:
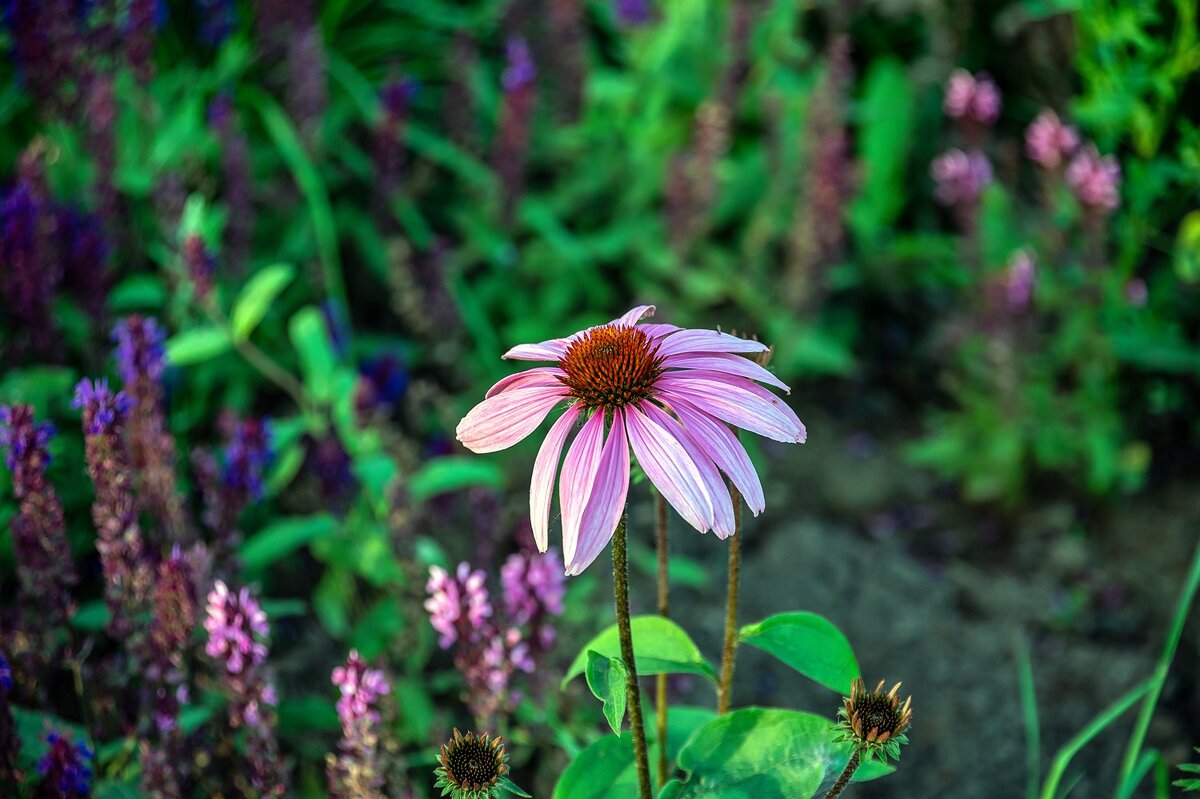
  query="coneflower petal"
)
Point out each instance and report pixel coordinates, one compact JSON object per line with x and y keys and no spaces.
{"x":575,"y":483}
{"x":607,"y":501}
{"x":501,"y":421}
{"x":707,"y":341}
{"x":550,"y":350}
{"x":544,"y":376}
{"x":741,"y":403}
{"x":632,"y":316}
{"x":719,"y":442}
{"x":725,"y":363}
{"x":718,"y":492}
{"x":545,"y":468}
{"x":670,"y":469}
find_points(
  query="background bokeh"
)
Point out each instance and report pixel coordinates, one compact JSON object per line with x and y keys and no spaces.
{"x":341,"y":214}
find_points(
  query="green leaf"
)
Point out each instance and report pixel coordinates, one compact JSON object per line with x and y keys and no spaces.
{"x":197,"y":346}
{"x":92,"y":616}
{"x":1187,"y":249}
{"x":256,"y":298}
{"x":808,"y":643}
{"x":660,"y":646}
{"x":604,"y":770}
{"x":886,"y":123}
{"x":281,"y":538}
{"x":764,"y":753}
{"x":317,"y":360}
{"x":606,"y":677}
{"x":510,"y":786}
{"x":453,"y":473}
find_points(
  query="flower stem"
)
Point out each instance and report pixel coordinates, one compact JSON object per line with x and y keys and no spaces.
{"x":664,"y":610}
{"x":725,"y":690}
{"x":634,"y":693}
{"x":844,"y":780}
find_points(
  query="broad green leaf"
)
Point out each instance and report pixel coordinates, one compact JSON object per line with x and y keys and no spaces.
{"x":886,"y":122}
{"x":763,"y":753}
{"x":453,"y":473}
{"x":604,"y":770}
{"x":606,"y":677}
{"x":808,"y":643}
{"x":308,"y":713}
{"x":197,"y":346}
{"x":256,"y":298}
{"x":137,"y":293}
{"x":281,"y":538}
{"x":92,"y":616}
{"x":310,"y":337}
{"x":660,"y":646}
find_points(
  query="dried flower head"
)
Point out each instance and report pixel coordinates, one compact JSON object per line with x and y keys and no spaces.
{"x":473,"y":767}
{"x":875,"y":721}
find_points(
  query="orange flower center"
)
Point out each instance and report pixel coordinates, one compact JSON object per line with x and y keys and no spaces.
{"x":611,"y":367}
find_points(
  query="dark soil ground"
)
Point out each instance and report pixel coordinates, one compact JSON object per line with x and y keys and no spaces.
{"x":941,"y":595}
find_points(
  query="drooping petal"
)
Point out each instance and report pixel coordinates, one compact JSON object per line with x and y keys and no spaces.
{"x":545,"y":468}
{"x":575,"y":482}
{"x":501,"y":421}
{"x":726,"y":363}
{"x":741,"y":403}
{"x":718,"y":492}
{"x":546,"y":376}
{"x":631,"y":317}
{"x":726,"y":451}
{"x":550,"y":350}
{"x":670,"y":468}
{"x":607,"y":502}
{"x":707,"y":341}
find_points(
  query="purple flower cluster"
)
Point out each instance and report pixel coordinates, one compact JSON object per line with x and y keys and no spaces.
{"x":141,"y":362}
{"x":238,"y":177}
{"x":6,"y":680}
{"x":201,"y":265}
{"x":632,"y":12}
{"x":1019,"y":277}
{"x":395,"y":99}
{"x":972,"y":98}
{"x":218,"y":19}
{"x":66,"y":768}
{"x":237,"y":631}
{"x":354,"y":773}
{"x":127,"y":572}
{"x":31,"y":268}
{"x":1049,"y":142}
{"x":959,"y":177}
{"x":45,"y":568}
{"x":141,"y":27}
{"x":246,"y":457}
{"x":382,"y":383}
{"x":85,"y":258}
{"x":10,"y":742}
{"x":232,"y":482}
{"x":533,"y":587}
{"x":1095,"y":180}
{"x":516,"y":118}
{"x":165,"y":684}
{"x":458,"y":604}
{"x":46,"y":38}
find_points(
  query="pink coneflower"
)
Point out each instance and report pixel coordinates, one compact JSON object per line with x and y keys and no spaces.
{"x":660,"y":389}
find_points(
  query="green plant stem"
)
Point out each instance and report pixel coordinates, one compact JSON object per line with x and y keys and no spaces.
{"x":729,"y":652}
{"x":664,"y":610}
{"x":1133,"y":751}
{"x":625,"y":632}
{"x":847,"y":774}
{"x":1029,"y":712}
{"x":272,"y":371}
{"x":1063,"y":759}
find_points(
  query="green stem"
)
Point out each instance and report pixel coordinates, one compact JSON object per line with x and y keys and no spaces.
{"x":847,"y":774}
{"x":729,"y":653}
{"x":664,"y":610}
{"x":262,"y":362}
{"x":634,"y":693}
{"x":1133,"y":751}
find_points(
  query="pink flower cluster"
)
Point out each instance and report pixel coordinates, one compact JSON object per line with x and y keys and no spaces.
{"x":237,"y":629}
{"x":973,"y":98}
{"x":1048,"y":141}
{"x":533,"y":588}
{"x":360,"y":689}
{"x":1018,"y":280}
{"x":1095,"y":180}
{"x":458,"y":604}
{"x":960,"y":176}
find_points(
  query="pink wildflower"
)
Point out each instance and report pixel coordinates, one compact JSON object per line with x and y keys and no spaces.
{"x":458,"y":605}
{"x":960,"y":176}
{"x":1048,"y":142}
{"x":659,"y":389}
{"x":1095,"y":180}
{"x":972,"y":97}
